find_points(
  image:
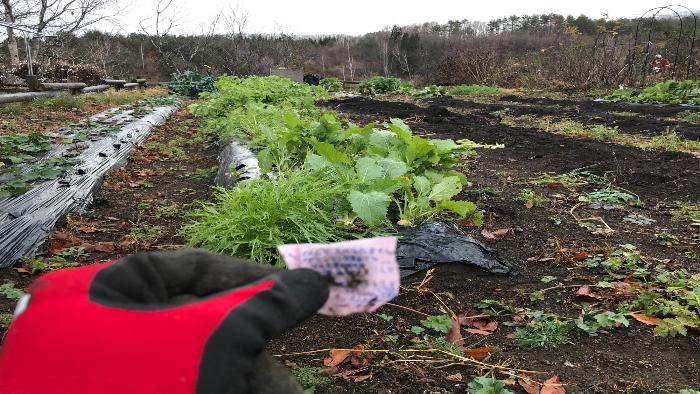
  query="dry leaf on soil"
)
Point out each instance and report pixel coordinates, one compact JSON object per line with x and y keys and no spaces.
{"x":587,"y":291}
{"x":495,"y":234}
{"x":650,"y":320}
{"x":580,"y":256}
{"x":530,"y":386}
{"x":454,"y":378}
{"x":104,"y":247}
{"x":336,"y":357}
{"x":553,"y":386}
{"x":479,"y":353}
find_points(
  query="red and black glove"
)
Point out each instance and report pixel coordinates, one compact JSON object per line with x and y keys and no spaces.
{"x":179,"y":322}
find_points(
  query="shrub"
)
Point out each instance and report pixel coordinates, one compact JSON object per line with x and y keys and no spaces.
{"x":191,"y":84}
{"x":331,"y":84}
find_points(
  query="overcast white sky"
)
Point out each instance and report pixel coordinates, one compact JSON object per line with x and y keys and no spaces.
{"x":311,"y":17}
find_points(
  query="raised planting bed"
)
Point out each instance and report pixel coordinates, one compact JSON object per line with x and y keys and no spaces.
{"x":41,"y":191}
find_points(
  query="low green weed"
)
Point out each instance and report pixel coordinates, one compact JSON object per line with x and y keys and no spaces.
{"x":610,"y":195}
{"x":487,"y":385}
{"x":144,"y":233}
{"x":63,"y":259}
{"x":531,"y":199}
{"x":689,"y":116}
{"x":6,"y":319}
{"x":9,"y":291}
{"x":639,"y":219}
{"x":545,"y":332}
{"x":310,"y":377}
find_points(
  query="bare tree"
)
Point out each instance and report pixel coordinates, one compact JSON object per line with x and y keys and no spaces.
{"x":11,"y":39}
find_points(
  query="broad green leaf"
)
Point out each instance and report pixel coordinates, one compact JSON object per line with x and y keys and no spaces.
{"x":486,"y":385}
{"x":368,"y":169}
{"x":445,"y":146}
{"x":330,"y":152}
{"x":388,"y":186}
{"x":392,"y":168}
{"x":382,"y":140}
{"x":461,"y":208}
{"x":371,"y":207}
{"x":265,"y":161}
{"x":445,"y":189}
{"x":422,"y":185}
{"x":316,"y":162}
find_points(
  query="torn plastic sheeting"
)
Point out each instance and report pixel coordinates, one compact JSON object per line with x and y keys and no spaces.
{"x":27,"y":220}
{"x":434,"y":243}
{"x":236,"y":163}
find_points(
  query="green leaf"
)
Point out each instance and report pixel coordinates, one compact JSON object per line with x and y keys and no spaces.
{"x":486,"y":385}
{"x":441,"y":323}
{"x":422,"y":185}
{"x":265,"y":161}
{"x":330,"y":152}
{"x":392,"y":168}
{"x":371,"y":207}
{"x":368,"y":169}
{"x":537,"y":296}
{"x":445,"y":189}
{"x":548,"y":279}
{"x":461,"y":208}
{"x":316,"y":162}
{"x":417,"y":330}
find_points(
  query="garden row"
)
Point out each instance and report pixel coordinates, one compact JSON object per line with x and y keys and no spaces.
{"x":326,"y":180}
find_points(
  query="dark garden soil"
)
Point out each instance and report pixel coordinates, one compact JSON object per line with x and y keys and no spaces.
{"x":540,"y":241}
{"x":543,"y":241}
{"x":644,"y":119}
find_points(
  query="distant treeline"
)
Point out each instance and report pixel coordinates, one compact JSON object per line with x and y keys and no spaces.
{"x":547,"y":50}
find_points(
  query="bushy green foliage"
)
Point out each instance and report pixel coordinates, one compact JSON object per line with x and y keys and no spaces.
{"x":233,"y":92}
{"x":335,"y":181}
{"x":469,"y":90}
{"x":432,"y":91}
{"x":378,"y":85}
{"x":331,"y":84}
{"x":251,"y":220}
{"x":9,"y":291}
{"x":191,"y":83}
{"x":673,"y":92}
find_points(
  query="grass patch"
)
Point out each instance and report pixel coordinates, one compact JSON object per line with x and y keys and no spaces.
{"x":310,"y":377}
{"x":546,"y":332}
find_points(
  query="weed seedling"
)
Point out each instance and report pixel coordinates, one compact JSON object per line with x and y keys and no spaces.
{"x":638,"y":219}
{"x":6,"y":319}
{"x":531,"y":199}
{"x":310,"y":377}
{"x":545,"y":332}
{"x":9,"y":291}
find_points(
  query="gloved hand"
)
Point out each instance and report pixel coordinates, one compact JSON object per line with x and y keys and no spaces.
{"x":179,"y":322}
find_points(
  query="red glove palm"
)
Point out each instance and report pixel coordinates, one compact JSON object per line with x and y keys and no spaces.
{"x":181,"y":322}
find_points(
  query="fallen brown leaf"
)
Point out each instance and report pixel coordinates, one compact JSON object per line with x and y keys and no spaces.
{"x":495,"y":234}
{"x":61,"y":240}
{"x":22,"y":270}
{"x":587,"y":291}
{"x":104,"y":247}
{"x":553,"y":386}
{"x":580,"y":256}
{"x":336,"y":357}
{"x":650,"y":320}
{"x":530,"y":386}
{"x":479,"y":353}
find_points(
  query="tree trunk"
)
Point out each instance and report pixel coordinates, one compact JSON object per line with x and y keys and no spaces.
{"x":11,"y":39}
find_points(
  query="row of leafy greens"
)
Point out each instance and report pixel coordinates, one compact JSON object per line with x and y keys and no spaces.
{"x":332,"y":180}
{"x":673,"y":92}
